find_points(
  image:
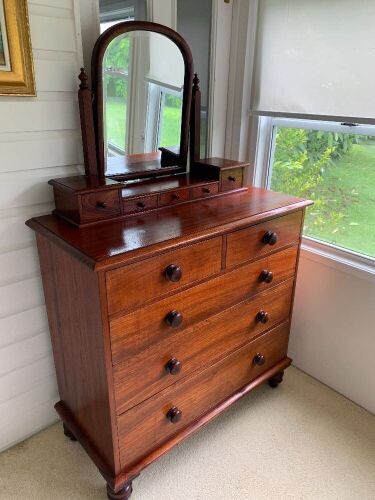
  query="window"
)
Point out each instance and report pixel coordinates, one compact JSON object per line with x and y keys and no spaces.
{"x":334,"y":165}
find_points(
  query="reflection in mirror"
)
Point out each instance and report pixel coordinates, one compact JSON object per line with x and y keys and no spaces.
{"x":143,"y":77}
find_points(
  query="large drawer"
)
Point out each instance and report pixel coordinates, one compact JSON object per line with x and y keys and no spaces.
{"x":194,"y":349}
{"x":133,"y":285}
{"x":136,"y":331}
{"x":255,"y":241}
{"x":146,"y":426}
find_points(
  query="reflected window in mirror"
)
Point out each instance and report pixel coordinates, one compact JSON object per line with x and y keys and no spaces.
{"x":143,"y":83}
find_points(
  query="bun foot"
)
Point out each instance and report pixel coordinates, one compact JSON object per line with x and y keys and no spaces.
{"x":68,"y":433}
{"x":122,"y":494}
{"x":276,"y":380}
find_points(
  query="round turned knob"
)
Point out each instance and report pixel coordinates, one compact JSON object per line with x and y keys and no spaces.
{"x":231,"y":178}
{"x":259,"y":359}
{"x":174,"y":415}
{"x":174,"y":319}
{"x":173,"y":273}
{"x":173,"y":366}
{"x":206,"y":190}
{"x":101,"y":204}
{"x":262,"y":317}
{"x":270,"y":238}
{"x":266,"y":276}
{"x":140,"y":204}
{"x":175,"y":196}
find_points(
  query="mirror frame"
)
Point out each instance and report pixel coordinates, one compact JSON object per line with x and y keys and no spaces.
{"x":97,"y":86}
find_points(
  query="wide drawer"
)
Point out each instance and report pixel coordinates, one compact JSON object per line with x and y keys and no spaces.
{"x":175,"y":356}
{"x":255,"y":241}
{"x":133,"y":285}
{"x":143,"y":328}
{"x":146,"y":426}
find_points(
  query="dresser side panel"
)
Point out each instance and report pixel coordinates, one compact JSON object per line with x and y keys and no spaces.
{"x":72,"y":294}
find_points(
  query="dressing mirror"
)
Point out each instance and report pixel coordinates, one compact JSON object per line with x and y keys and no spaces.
{"x":142,"y":80}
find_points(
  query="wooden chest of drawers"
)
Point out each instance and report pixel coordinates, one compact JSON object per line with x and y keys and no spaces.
{"x":160,"y":322}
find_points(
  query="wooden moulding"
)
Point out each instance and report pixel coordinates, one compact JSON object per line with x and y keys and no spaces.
{"x":119,"y":481}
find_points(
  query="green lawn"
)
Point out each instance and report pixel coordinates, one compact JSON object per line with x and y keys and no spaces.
{"x":349,"y":186}
{"x":116,"y":123}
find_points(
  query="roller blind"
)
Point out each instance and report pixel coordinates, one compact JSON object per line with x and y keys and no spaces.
{"x":315,"y":57}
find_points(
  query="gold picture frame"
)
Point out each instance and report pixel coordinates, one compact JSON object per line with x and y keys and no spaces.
{"x":16,"y":63}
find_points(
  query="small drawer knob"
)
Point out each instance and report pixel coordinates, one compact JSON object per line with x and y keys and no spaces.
{"x":266,"y":276}
{"x":140,"y":204}
{"x":231,"y":178}
{"x":259,"y":359}
{"x":174,"y":415}
{"x":270,"y":238}
{"x":101,"y":204}
{"x":206,"y":190}
{"x":262,"y":317}
{"x":173,"y":366}
{"x":175,"y":196}
{"x":173,"y":273}
{"x":174,"y":319}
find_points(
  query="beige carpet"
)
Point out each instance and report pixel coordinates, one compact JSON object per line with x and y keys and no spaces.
{"x":300,"y":441}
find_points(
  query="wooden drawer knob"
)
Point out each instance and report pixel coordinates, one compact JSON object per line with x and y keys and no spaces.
{"x":206,"y":190}
{"x":266,"y":276}
{"x":173,"y":366}
{"x":175,"y":196}
{"x":101,"y":204}
{"x":259,"y":359}
{"x":173,"y":273}
{"x":174,"y":319}
{"x":174,"y":415}
{"x":140,"y":204}
{"x":231,"y":178}
{"x":262,"y":317}
{"x":270,"y":238}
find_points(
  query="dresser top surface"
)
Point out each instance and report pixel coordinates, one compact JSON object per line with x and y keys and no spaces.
{"x":112,"y":243}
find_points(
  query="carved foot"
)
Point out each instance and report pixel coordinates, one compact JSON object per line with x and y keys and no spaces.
{"x":276,"y":379}
{"x":68,"y":433}
{"x":123,"y":494}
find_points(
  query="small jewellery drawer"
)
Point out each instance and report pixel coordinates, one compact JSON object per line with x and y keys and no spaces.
{"x":132,"y":333}
{"x":255,"y":241}
{"x":154,"y":421}
{"x":194,"y":349}
{"x":203,"y":191}
{"x":131,"y":286}
{"x":100,"y":205}
{"x":140,"y":204}
{"x":231,"y":179}
{"x":172,"y":197}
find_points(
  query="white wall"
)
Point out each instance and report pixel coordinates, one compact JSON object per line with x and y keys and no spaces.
{"x":333,"y":328}
{"x":39,"y":140}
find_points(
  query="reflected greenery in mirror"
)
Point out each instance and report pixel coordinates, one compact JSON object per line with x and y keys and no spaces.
{"x":143,"y":77}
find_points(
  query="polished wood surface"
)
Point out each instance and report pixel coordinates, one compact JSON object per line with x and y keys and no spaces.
{"x":73,"y":303}
{"x":231,"y":179}
{"x":204,"y":191}
{"x":196,"y":262}
{"x":117,"y":242}
{"x":248,"y":243}
{"x":195,"y":396}
{"x":100,"y":205}
{"x":140,"y":204}
{"x":141,"y":375}
{"x":141,"y":329}
{"x":172,"y":197}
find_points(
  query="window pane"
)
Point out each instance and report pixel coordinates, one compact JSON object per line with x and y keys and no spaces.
{"x":171,"y":120}
{"x":336,"y":171}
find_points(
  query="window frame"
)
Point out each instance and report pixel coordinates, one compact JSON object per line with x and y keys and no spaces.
{"x":265,"y":149}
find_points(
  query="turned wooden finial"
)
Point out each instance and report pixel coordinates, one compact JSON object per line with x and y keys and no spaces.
{"x":196,"y":83}
{"x":83,"y":78}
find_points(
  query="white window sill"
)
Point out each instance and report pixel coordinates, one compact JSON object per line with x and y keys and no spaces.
{"x":343,"y":260}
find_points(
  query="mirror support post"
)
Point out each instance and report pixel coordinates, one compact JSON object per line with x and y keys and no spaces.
{"x":195,"y":122}
{"x":87,"y":125}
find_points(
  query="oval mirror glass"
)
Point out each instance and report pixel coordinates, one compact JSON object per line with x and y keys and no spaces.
{"x":143,"y":79}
